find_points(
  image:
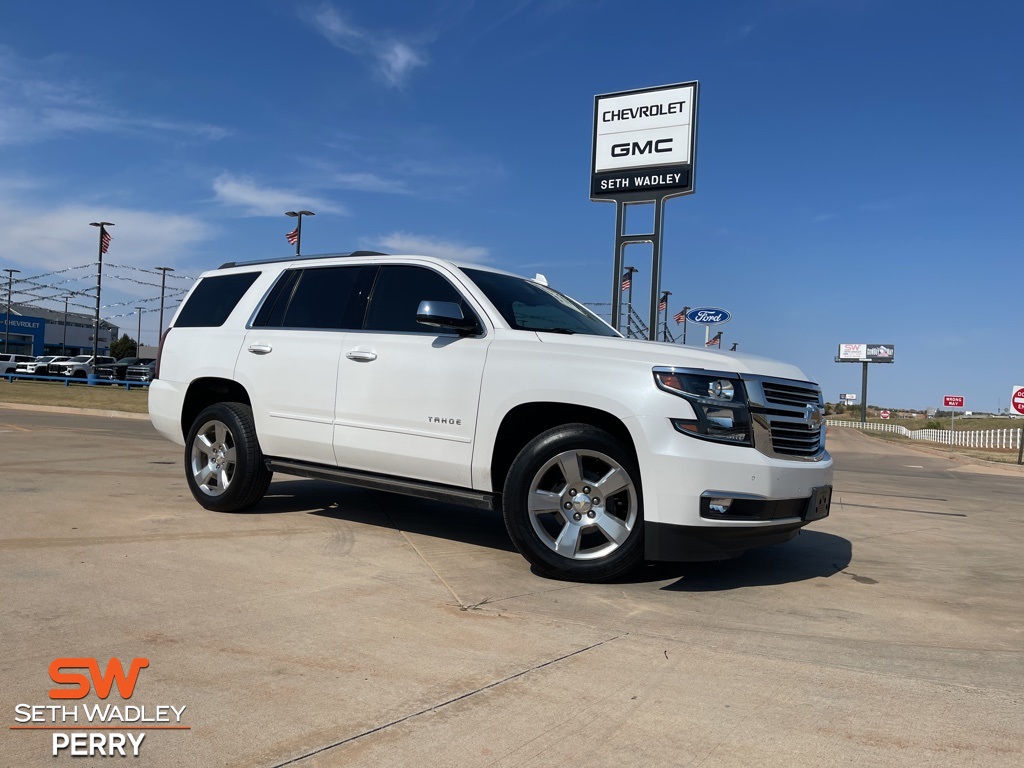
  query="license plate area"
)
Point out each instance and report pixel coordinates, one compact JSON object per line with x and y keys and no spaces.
{"x":819,"y":503}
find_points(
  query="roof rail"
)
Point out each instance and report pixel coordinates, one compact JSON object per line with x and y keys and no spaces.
{"x":228,"y":264}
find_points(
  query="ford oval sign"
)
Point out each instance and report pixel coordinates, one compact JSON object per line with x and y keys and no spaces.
{"x":708,"y":316}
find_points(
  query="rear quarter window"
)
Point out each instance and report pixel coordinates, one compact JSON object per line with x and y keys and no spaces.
{"x":213,"y":300}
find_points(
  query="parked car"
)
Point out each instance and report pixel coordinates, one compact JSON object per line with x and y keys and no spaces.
{"x":40,"y":365}
{"x":119,"y":369}
{"x":471,"y":386}
{"x":9,"y":363}
{"x":141,"y":372}
{"x":80,"y":366}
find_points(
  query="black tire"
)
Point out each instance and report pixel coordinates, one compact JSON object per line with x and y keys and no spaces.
{"x":572,"y":464}
{"x":224,"y":465}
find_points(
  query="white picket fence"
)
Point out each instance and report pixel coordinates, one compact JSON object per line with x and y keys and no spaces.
{"x":979,"y":438}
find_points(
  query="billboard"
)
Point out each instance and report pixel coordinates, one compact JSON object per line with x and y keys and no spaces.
{"x":866,"y":353}
{"x":643,"y":145}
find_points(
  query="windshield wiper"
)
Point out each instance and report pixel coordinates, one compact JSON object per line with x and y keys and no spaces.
{"x":566,"y":331}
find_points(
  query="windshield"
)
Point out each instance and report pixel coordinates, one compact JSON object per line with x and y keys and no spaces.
{"x":80,"y":359}
{"x":529,"y":306}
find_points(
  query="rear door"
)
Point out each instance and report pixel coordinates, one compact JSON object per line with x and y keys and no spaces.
{"x":407,"y":393}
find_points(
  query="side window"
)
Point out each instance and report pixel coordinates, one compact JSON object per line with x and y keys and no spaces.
{"x":213,"y":299}
{"x":397,"y":294}
{"x":320,"y":297}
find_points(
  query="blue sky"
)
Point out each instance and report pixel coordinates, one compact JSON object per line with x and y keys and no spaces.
{"x":858,"y":167}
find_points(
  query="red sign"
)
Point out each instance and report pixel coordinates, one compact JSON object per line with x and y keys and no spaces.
{"x":1017,"y":399}
{"x":953,"y":401}
{"x":885,"y":414}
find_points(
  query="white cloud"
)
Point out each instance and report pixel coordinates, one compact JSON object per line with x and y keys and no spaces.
{"x":370,"y":182}
{"x":56,"y":254}
{"x":407,"y":243}
{"x":256,"y":200}
{"x":38,"y":102}
{"x":392,"y":60}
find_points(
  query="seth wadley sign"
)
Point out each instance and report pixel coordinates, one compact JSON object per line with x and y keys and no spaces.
{"x":643,"y":141}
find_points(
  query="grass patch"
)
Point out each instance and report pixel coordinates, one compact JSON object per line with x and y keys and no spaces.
{"x":102,"y":396}
{"x":1001,"y":455}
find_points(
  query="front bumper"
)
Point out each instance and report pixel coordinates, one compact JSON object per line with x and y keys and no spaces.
{"x":773,"y":496}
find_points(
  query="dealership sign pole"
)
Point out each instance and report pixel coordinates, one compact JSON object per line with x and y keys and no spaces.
{"x":865,"y":353}
{"x":643,"y":151}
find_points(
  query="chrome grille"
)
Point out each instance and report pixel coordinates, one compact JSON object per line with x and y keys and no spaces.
{"x":788,"y":430}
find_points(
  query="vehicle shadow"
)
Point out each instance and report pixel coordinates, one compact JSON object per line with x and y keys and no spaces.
{"x":812,"y":554}
{"x":386,"y":510}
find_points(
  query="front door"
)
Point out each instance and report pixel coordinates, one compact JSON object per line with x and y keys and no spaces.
{"x":408,"y":394}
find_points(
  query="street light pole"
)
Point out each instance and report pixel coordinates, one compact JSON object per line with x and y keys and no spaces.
{"x":163,"y":285}
{"x":64,"y":342}
{"x":104,"y":244}
{"x":138,"y":336}
{"x":298,"y":229}
{"x":7,"y":322}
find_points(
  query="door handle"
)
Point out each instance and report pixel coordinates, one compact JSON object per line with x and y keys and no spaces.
{"x":361,"y":356}
{"x":260,"y":349}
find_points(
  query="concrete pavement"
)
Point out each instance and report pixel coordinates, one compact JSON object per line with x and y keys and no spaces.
{"x":334,"y":626}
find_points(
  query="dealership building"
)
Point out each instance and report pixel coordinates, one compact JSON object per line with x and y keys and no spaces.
{"x":33,"y":330}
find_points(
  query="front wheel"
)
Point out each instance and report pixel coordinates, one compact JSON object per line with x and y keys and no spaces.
{"x":573,"y":504}
{"x":223,"y":462}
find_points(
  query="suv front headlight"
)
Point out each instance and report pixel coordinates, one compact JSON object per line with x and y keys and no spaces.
{"x":719,"y":401}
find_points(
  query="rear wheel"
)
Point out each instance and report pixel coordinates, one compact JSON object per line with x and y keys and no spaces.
{"x":224,"y":465}
{"x":573,"y":504}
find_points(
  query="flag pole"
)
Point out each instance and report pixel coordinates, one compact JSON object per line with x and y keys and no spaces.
{"x":104,"y":243}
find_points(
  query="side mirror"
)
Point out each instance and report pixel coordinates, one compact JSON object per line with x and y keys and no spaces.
{"x":445,"y":314}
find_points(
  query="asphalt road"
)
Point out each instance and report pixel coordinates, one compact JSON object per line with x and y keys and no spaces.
{"x":335,"y":627}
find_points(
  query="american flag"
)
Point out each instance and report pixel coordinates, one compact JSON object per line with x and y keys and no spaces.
{"x":715,"y":342}
{"x":105,"y":239}
{"x":663,"y":304}
{"x":293,"y":236}
{"x":679,"y":316}
{"x":626,"y":282}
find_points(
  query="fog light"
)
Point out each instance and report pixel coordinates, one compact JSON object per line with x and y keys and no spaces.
{"x":719,"y":506}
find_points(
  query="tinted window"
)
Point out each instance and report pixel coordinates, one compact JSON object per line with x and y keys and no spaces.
{"x":529,"y":306}
{"x":397,"y":294}
{"x":213,"y":299}
{"x":324,"y":297}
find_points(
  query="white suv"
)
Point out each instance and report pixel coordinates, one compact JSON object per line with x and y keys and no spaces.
{"x":9,"y":363}
{"x":81,"y":366}
{"x":477,"y":387}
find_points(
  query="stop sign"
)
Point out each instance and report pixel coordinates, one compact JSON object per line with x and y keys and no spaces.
{"x":1017,"y":399}
{"x":885,"y":414}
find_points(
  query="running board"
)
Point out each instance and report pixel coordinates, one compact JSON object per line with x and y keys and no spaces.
{"x":450,"y":494}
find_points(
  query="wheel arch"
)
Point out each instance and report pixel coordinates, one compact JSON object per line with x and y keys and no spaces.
{"x":524,"y":422}
{"x":204,"y":392}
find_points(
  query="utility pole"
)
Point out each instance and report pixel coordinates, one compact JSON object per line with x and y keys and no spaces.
{"x":7,"y":322}
{"x":163,"y":286}
{"x":138,"y":337}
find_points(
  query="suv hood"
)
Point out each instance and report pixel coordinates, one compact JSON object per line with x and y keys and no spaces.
{"x":662,"y":353}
